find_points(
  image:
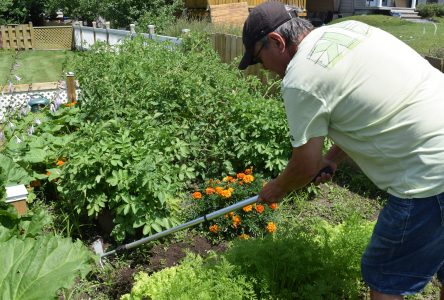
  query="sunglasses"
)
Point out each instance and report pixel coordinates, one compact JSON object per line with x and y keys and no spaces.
{"x":256,"y":59}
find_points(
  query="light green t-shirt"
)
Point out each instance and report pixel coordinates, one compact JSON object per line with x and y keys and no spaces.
{"x":377,"y":99}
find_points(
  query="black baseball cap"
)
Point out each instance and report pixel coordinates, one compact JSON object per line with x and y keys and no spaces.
{"x":262,"y":20}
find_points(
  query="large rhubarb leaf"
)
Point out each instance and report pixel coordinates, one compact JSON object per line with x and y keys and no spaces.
{"x":37,"y":268}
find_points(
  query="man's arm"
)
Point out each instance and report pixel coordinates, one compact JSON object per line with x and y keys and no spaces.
{"x":303,"y":166}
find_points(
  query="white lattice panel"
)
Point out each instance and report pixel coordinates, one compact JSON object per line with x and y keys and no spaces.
{"x":15,"y":101}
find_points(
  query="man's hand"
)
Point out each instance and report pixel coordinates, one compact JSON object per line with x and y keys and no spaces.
{"x":325,"y":174}
{"x":271,"y":193}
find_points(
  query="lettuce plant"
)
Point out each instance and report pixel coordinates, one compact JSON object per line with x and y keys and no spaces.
{"x":193,"y":279}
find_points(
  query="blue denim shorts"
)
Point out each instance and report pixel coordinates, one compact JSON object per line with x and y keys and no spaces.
{"x":407,"y":246}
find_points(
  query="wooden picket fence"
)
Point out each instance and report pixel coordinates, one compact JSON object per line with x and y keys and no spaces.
{"x":26,"y":37}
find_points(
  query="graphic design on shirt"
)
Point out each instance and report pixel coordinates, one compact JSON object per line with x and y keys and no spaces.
{"x":356,"y":27}
{"x":333,"y":45}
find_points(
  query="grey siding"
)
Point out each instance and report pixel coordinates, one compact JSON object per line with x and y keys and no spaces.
{"x":347,"y":6}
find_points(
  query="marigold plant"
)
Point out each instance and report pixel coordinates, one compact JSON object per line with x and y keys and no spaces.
{"x":252,"y":220}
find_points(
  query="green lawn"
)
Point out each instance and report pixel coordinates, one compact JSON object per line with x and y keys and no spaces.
{"x":422,"y":37}
{"x":6,"y":61}
{"x":33,"y":66}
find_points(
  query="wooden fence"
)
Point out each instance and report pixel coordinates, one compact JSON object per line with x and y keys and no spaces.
{"x":53,"y":38}
{"x":205,"y":3}
{"x":230,"y":47}
{"x":17,"y":37}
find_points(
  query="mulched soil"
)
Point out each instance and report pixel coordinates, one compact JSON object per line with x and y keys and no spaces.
{"x":163,"y":257}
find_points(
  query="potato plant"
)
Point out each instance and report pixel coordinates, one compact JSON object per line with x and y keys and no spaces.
{"x":157,"y":119}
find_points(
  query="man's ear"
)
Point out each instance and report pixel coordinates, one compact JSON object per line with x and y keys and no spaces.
{"x":278,"y":40}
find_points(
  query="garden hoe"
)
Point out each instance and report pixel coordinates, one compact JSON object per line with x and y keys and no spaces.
{"x":98,"y":244}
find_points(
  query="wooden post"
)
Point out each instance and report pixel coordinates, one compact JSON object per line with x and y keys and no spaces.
{"x":132,"y":30}
{"x":3,"y":35}
{"x":151,"y":30}
{"x":107,"y":26}
{"x":71,"y":87}
{"x":94,"y":31}
{"x":80,"y":23}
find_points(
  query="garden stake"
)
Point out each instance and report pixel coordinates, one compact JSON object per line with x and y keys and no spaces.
{"x":98,"y":246}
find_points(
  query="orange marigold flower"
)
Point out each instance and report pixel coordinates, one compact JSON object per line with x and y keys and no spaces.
{"x":218,"y":190}
{"x":60,"y":163}
{"x":271,"y":227}
{"x":244,"y":236}
{"x":48,"y":173}
{"x":227,"y":178}
{"x":248,"y":178}
{"x":209,"y":191}
{"x":71,"y":103}
{"x":260,"y":208}
{"x":214,"y":228}
{"x":231,"y":214}
{"x":231,"y":189}
{"x":197,"y":195}
{"x":249,"y":171}
{"x":236,"y":221}
{"x":273,"y":206}
{"x":225,"y":193}
{"x":247,"y":208}
{"x":241,"y":182}
{"x":240,"y":175}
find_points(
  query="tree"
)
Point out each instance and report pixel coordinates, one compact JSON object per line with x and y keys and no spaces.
{"x":120,"y":13}
{"x":22,"y":11}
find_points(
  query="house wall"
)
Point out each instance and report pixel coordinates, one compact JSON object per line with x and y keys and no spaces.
{"x":348,"y":6}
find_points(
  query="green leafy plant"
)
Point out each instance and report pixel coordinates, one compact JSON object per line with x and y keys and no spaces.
{"x":35,"y":262}
{"x":32,"y":152}
{"x":251,"y":221}
{"x":121,"y":169}
{"x":311,"y":262}
{"x":194,"y":278}
{"x":430,"y":10}
{"x":157,"y":119}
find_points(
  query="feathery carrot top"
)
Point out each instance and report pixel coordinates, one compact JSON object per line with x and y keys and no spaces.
{"x":247,"y":208}
{"x":197,"y":195}
{"x":244,"y":236}
{"x":273,"y":206}
{"x":214,"y":228}
{"x":260,"y":208}
{"x":248,"y":178}
{"x":271,"y":227}
{"x":210,"y":191}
